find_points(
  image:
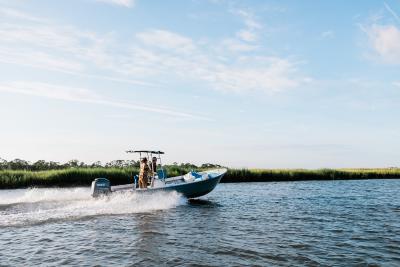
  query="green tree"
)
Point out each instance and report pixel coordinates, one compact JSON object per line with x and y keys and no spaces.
{"x":3,"y":164}
{"x":72,"y":163}
{"x":96,"y":164}
{"x":19,"y":164}
{"x":40,"y":165}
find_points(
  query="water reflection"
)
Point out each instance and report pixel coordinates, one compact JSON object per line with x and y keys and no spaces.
{"x":152,"y":235}
{"x":203,"y":202}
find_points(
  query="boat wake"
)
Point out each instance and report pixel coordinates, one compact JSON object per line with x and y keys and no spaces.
{"x":40,"y":205}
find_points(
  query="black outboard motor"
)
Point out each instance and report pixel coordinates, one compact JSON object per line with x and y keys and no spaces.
{"x":100,"y":186}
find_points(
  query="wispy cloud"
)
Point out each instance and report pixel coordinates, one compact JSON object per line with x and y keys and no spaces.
{"x":38,"y":59}
{"x":125,"y":3}
{"x":17,"y":14}
{"x":166,"y":40}
{"x":267,"y":74}
{"x":83,"y":95}
{"x":250,"y":33}
{"x":49,"y":46}
{"x":242,"y":74}
{"x":249,"y":19}
{"x":247,"y":35}
{"x":49,"y":91}
{"x":152,"y":54}
{"x":394,"y":14}
{"x":397,"y":84}
{"x":246,"y":39}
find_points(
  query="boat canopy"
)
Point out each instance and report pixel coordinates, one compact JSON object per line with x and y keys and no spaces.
{"x":145,"y":151}
{"x":151,"y":154}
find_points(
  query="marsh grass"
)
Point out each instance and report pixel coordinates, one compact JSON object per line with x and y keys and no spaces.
{"x":272,"y":175}
{"x":66,"y":177}
{"x":84,"y":176}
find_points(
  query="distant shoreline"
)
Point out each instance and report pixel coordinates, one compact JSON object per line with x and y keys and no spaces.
{"x":70,"y":177}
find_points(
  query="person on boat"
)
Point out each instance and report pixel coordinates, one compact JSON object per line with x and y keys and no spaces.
{"x":143,"y":173}
{"x":154,"y":165}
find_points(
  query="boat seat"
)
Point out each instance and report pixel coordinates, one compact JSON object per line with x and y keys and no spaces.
{"x":162,"y":174}
{"x":196,"y":175}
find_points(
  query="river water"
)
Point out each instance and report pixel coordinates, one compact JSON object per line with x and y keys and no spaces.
{"x":314,"y":223}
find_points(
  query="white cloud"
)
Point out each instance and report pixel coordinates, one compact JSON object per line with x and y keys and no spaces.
{"x":268,"y":74}
{"x":50,"y":39}
{"x":84,"y":95}
{"x":49,"y":91}
{"x":247,"y":35}
{"x":397,"y":84}
{"x":249,"y":19}
{"x":251,"y":31}
{"x":125,"y":3}
{"x":226,"y":70}
{"x":156,"y":55}
{"x":39,"y":59}
{"x":64,"y":49}
{"x":166,"y":40}
{"x":385,"y":42}
{"x":17,"y":14}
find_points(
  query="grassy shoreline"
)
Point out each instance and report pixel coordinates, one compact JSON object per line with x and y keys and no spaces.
{"x":83,"y":176}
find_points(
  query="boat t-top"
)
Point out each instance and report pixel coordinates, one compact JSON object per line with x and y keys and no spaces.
{"x":191,"y":185}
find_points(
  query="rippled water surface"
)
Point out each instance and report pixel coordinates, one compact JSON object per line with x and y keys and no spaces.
{"x":343,"y":223}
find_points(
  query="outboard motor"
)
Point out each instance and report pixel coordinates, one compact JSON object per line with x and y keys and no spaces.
{"x":100,"y":186}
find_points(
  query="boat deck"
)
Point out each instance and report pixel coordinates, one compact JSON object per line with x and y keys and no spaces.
{"x":168,"y":182}
{"x":122,"y":187}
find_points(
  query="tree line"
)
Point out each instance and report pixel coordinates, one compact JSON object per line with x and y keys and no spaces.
{"x":42,"y":165}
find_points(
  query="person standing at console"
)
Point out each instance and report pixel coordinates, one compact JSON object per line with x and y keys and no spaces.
{"x":154,"y":165}
{"x":143,"y":174}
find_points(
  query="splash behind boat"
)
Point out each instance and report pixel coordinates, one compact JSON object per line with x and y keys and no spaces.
{"x":190,"y":185}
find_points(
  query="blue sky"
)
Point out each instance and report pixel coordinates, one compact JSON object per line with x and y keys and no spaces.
{"x":274,"y":84}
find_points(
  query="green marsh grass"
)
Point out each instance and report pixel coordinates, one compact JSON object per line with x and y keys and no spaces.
{"x":272,"y":175}
{"x":66,"y":177}
{"x":84,"y":176}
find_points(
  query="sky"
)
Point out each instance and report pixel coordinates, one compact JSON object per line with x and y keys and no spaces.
{"x":258,"y":84}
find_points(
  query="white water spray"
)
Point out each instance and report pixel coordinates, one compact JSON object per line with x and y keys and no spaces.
{"x":38,"y":205}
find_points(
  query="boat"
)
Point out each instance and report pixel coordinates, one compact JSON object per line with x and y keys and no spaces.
{"x":191,"y":185}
